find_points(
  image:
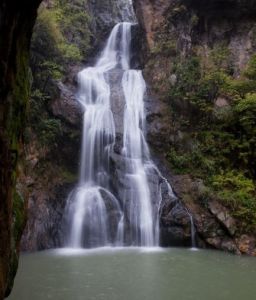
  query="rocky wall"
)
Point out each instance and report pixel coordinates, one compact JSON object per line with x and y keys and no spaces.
{"x":16,"y":23}
{"x":174,"y":32}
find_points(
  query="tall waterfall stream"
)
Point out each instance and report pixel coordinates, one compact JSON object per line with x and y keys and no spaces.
{"x":99,"y":212}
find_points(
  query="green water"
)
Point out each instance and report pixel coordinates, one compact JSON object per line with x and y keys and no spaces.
{"x":134,"y":274}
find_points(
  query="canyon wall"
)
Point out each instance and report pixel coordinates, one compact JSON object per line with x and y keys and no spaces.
{"x":16,"y":23}
{"x":199,"y":60}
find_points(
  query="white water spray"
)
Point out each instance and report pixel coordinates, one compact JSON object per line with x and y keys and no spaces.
{"x":99,"y":214}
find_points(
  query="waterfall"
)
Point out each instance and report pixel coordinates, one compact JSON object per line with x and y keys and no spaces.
{"x":120,"y":207}
{"x":193,"y":232}
{"x":136,"y":150}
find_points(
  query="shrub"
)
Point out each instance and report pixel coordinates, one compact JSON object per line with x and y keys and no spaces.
{"x":239,"y":194}
{"x":50,"y":129}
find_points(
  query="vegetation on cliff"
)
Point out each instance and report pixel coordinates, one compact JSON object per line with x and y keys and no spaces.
{"x":61,"y":42}
{"x":220,"y":116}
{"x":212,"y":98}
{"x":61,"y":39}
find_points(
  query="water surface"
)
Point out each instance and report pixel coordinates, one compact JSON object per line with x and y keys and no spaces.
{"x":134,"y":274}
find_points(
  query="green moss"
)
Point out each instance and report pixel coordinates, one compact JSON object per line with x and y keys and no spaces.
{"x":61,"y":38}
{"x":68,"y":176}
{"x":20,"y":95}
{"x":18,"y":215}
{"x":19,"y":218}
{"x":50,"y":130}
{"x":165,"y":47}
{"x":194,"y":161}
{"x":250,"y":71}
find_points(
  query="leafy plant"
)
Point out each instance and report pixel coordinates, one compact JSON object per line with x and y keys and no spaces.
{"x":239,"y":194}
{"x":222,"y":146}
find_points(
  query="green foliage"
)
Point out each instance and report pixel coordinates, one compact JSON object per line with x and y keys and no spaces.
{"x":61,"y":38}
{"x":68,"y":176}
{"x":167,"y":47}
{"x":37,"y":102}
{"x":247,"y":108}
{"x":188,"y":74}
{"x":219,"y":56}
{"x":46,"y":128}
{"x":239,"y":194}
{"x":222,"y":146}
{"x":49,"y":129}
{"x":18,"y":214}
{"x":70,"y":52}
{"x":75,"y":24}
{"x":54,"y":71}
{"x":251,"y":69}
{"x":194,"y":160}
{"x":198,"y":89}
{"x":238,"y":88}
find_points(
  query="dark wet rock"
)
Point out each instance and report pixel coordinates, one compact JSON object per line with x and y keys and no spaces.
{"x":113,"y":213}
{"x":117,"y":98}
{"x":223,"y":215}
{"x":224,"y":8}
{"x":175,"y":224}
{"x":213,"y":225}
{"x":16,"y":23}
{"x":45,"y":218}
{"x":175,"y":214}
{"x":136,"y":47}
{"x":226,"y":244}
{"x":174,"y":236}
{"x":51,"y":180}
{"x":106,"y":14}
{"x":66,"y":106}
{"x":158,"y":118}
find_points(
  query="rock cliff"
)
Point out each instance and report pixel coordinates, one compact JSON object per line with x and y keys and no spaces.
{"x":16,"y":23}
{"x":195,"y":55}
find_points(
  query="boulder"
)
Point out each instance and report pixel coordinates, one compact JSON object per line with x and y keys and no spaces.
{"x":223,"y":216}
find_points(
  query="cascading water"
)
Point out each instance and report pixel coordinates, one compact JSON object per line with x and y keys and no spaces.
{"x":101,"y":212}
{"x":89,"y":225}
{"x":136,"y":150}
